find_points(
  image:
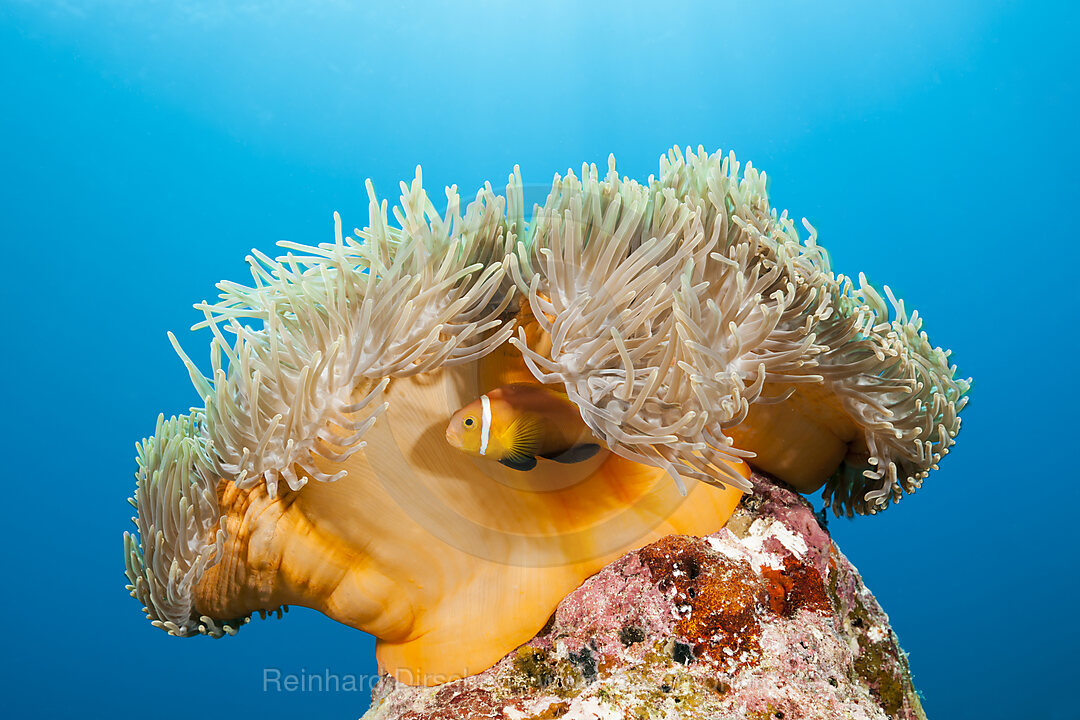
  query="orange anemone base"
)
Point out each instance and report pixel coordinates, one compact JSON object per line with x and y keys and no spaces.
{"x":449,"y":561}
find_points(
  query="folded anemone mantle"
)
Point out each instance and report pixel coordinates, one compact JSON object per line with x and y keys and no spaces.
{"x":684,"y":316}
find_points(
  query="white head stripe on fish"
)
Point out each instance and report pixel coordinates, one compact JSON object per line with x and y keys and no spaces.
{"x":485,"y":423}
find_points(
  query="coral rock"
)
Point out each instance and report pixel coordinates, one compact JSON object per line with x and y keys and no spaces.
{"x":764,"y":619}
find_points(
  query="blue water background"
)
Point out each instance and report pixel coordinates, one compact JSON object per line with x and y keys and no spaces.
{"x":146,"y":147}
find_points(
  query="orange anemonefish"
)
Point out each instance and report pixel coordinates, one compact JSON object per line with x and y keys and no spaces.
{"x":517,"y":423}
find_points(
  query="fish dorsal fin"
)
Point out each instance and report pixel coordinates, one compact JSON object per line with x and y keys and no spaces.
{"x":522,"y":437}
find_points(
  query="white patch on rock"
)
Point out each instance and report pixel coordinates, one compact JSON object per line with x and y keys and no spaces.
{"x":790,"y":540}
{"x":753,"y":545}
{"x":592,"y":709}
{"x":728,"y":546}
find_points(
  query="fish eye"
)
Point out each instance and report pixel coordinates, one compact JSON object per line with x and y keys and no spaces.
{"x":469,"y":422}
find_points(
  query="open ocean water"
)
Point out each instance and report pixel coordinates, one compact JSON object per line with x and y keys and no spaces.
{"x":146,"y":147}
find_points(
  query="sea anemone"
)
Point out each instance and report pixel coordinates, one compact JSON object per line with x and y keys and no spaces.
{"x":683,"y":316}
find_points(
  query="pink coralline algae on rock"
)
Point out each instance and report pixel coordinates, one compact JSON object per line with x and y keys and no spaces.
{"x":764,"y":619}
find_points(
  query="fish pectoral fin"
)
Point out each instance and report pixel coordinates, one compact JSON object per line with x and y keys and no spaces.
{"x":523,"y":436}
{"x":576,"y":454}
{"x":526,"y":462}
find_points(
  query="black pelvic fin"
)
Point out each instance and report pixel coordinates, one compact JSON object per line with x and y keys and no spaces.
{"x":525,"y":463}
{"x":576,"y":454}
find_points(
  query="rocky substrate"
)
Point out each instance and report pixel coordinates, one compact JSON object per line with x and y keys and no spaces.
{"x":764,"y":619}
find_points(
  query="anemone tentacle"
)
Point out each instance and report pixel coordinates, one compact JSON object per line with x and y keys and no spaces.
{"x":676,"y":309}
{"x":180,"y":530}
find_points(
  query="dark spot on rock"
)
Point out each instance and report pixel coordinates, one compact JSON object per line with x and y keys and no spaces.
{"x":585,"y":661}
{"x":822,"y":517}
{"x":718,"y":684}
{"x":752,"y":502}
{"x":856,"y":622}
{"x":548,"y":626}
{"x":554,"y":711}
{"x":833,"y":682}
{"x":683,"y":653}
{"x":630,"y":634}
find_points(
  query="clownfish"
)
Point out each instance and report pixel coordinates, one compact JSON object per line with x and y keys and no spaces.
{"x":517,"y":423}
